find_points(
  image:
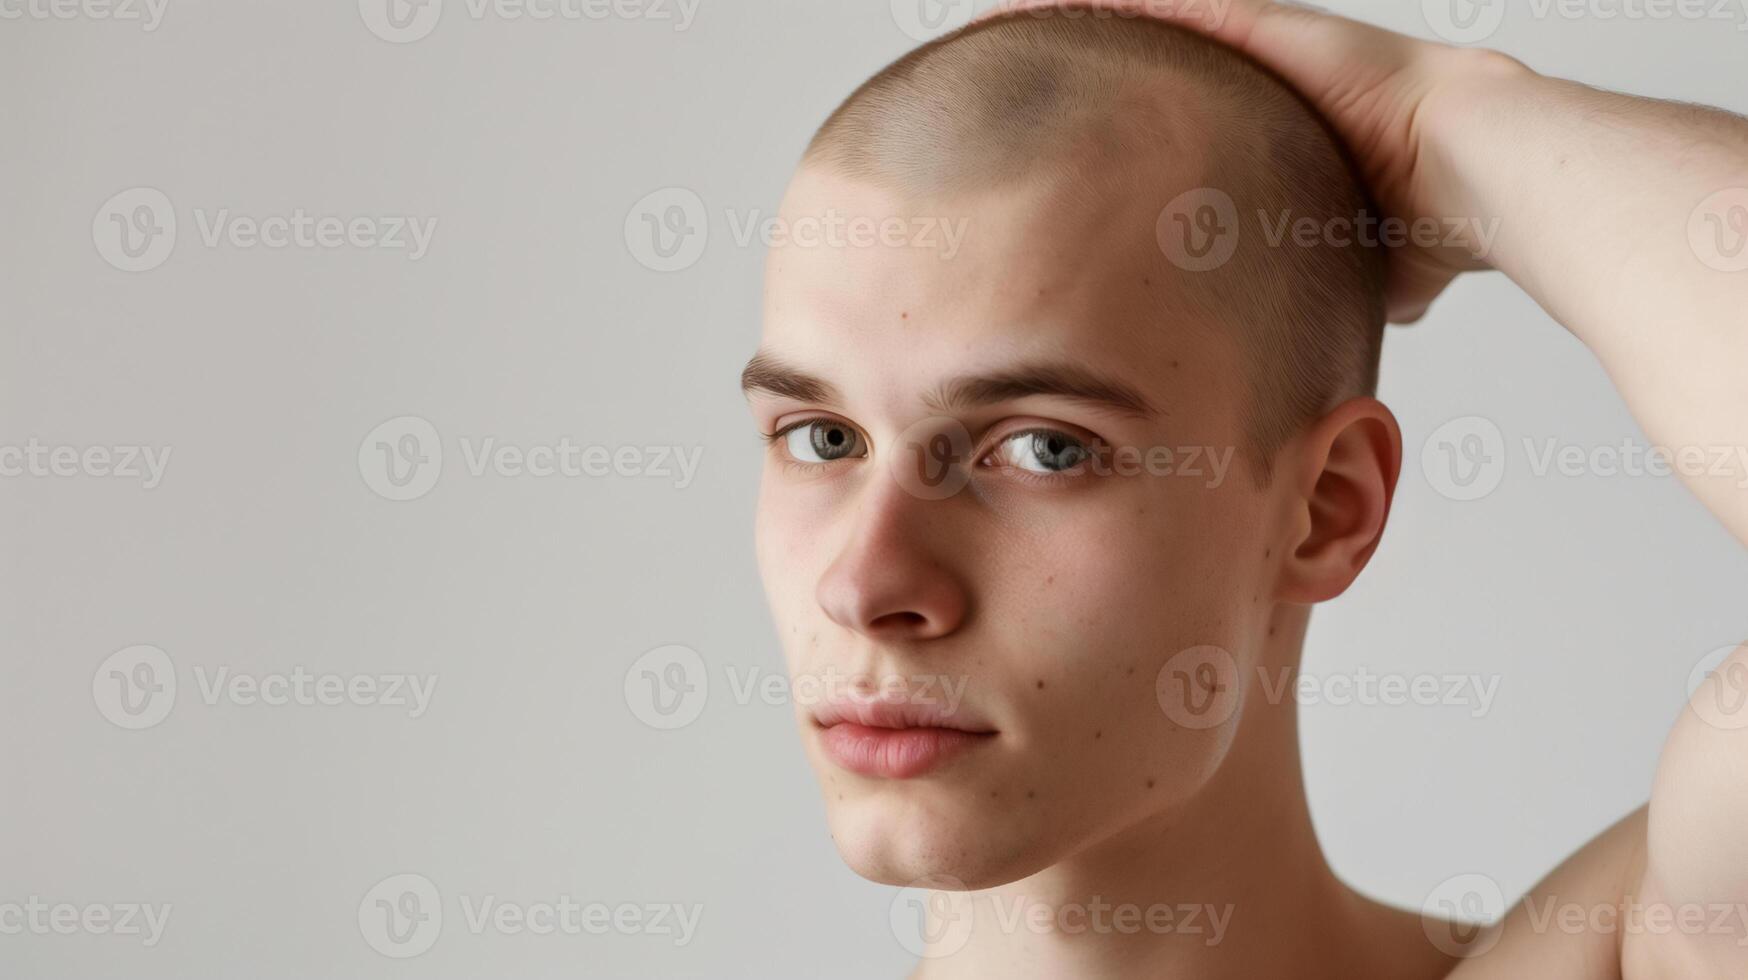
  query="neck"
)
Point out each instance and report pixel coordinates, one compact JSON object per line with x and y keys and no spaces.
{"x":1231,"y":884}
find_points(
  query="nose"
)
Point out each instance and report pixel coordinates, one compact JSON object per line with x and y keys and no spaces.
{"x":889,"y":581}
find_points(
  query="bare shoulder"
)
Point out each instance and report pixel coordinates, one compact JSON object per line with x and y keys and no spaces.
{"x":1663,"y":893}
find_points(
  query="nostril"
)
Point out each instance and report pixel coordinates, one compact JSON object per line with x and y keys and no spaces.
{"x":899,"y":622}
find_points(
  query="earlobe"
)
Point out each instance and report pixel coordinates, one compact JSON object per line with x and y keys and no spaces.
{"x":1344,"y":481}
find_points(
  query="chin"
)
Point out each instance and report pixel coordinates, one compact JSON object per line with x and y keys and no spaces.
{"x":897,"y":836}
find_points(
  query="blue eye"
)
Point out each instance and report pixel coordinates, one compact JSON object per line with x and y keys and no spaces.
{"x":1043,"y":451}
{"x":823,"y":441}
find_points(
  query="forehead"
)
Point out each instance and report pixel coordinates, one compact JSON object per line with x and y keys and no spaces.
{"x":879,"y":289}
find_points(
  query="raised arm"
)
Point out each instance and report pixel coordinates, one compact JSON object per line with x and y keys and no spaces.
{"x":1625,"y":218}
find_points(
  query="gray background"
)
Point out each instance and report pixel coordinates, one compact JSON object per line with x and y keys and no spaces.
{"x":532,"y":318}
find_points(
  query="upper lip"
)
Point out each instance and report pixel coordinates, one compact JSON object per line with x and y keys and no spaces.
{"x":895,"y":714}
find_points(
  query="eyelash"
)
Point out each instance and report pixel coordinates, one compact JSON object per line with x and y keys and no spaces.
{"x":774,"y":441}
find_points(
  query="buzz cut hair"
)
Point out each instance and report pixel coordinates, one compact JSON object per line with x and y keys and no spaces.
{"x":1031,"y":95}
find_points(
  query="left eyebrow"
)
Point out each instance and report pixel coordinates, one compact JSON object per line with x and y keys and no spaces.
{"x":1061,"y":381}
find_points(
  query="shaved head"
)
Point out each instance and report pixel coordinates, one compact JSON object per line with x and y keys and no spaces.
{"x":1096,"y":106}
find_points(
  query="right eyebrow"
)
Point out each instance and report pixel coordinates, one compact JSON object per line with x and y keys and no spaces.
{"x":770,"y":374}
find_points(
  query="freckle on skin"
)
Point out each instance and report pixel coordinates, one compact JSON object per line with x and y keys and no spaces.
{"x":1098,"y":735}
{"x":1040,"y":685}
{"x":1130,"y":671}
{"x":1150,"y":784}
{"x":904,"y":316}
{"x":1174,"y":363}
{"x":1030,"y":794}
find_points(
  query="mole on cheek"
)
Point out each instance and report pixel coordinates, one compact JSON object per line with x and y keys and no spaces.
{"x":1040,"y":685}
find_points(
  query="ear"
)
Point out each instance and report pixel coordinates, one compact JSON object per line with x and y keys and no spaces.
{"x":1343,"y":479}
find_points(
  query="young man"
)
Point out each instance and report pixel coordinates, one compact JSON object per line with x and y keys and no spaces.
{"x":1043,"y":505}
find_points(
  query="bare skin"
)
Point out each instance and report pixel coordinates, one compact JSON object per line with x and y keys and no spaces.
{"x":1062,"y":602}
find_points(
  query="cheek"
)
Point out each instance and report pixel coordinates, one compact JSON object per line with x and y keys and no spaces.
{"x":1142,"y":567}
{"x":1109,"y":600}
{"x":789,"y":546}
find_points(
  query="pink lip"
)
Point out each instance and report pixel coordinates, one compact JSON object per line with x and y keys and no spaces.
{"x":894,"y":740}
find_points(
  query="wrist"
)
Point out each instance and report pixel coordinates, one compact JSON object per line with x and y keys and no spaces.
{"x":1464,"y":121}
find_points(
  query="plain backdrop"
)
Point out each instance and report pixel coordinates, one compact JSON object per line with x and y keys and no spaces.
{"x":538,"y":313}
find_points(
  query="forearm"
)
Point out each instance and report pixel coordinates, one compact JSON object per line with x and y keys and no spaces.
{"x":1598,"y":200}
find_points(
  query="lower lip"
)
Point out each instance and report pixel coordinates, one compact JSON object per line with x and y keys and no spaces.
{"x":896,"y":753}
